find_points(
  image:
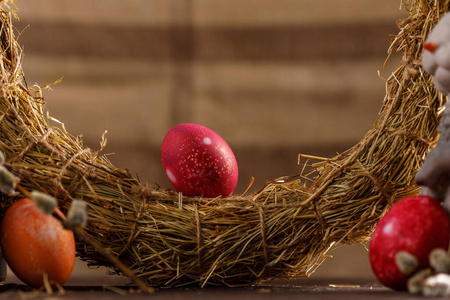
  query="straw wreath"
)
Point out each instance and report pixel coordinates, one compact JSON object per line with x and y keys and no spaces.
{"x":281,"y":231}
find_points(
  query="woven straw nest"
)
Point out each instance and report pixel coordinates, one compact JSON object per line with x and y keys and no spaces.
{"x":284,"y":230}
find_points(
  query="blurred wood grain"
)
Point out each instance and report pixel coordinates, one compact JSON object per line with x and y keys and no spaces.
{"x":273,"y":77}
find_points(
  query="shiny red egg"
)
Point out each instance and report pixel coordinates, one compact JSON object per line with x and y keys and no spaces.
{"x":198,"y":162}
{"x":416,"y":225}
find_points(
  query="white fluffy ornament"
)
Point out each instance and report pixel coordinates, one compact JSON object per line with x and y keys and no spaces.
{"x":433,"y":175}
{"x":436,"y":57}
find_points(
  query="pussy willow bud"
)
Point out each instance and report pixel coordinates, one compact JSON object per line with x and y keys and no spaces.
{"x":416,"y":282}
{"x":8,"y":181}
{"x":440,"y":260}
{"x":406,"y":262}
{"x":77,"y":215}
{"x":45,"y":203}
{"x":2,"y":158}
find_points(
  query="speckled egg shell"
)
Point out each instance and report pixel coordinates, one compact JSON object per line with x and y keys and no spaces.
{"x":198,"y":162}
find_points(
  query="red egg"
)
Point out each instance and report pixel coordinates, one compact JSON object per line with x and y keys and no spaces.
{"x":35,"y":244}
{"x":198,"y":162}
{"x":416,"y":225}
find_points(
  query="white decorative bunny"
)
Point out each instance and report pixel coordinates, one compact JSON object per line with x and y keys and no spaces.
{"x":434,"y":175}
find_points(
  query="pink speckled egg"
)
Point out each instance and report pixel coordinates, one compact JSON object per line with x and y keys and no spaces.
{"x":198,"y":162}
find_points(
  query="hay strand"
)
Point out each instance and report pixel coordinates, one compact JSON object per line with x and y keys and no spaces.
{"x":284,"y":230}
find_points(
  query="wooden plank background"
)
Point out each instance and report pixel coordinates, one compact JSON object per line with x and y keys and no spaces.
{"x":273,"y":77}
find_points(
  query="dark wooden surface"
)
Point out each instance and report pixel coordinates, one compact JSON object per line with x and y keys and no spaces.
{"x":116,"y":288}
